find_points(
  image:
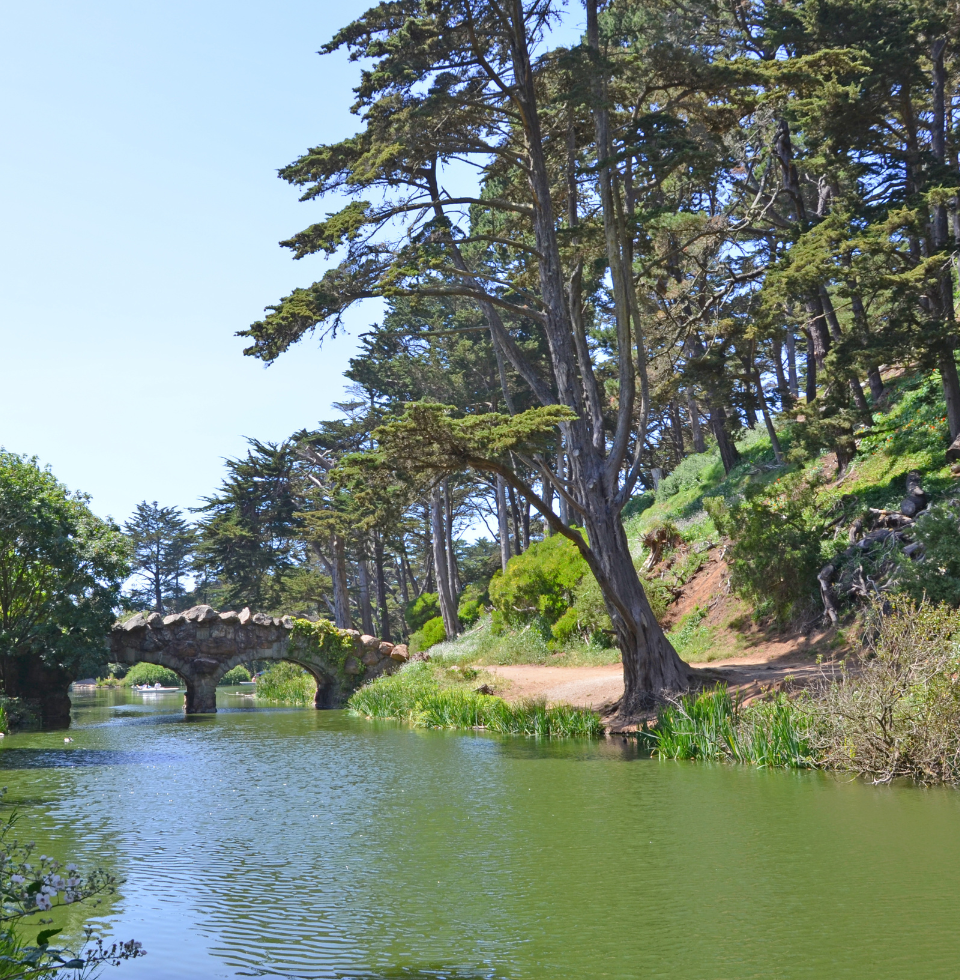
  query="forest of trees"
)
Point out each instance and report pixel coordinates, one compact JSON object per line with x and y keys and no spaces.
{"x":701,"y":218}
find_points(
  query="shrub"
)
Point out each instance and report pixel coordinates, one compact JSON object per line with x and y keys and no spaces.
{"x":567,"y":627}
{"x":471,"y":604}
{"x":469,"y":611}
{"x":540,"y":582}
{"x":286,"y":683}
{"x":236,"y":675}
{"x":898,"y":713}
{"x":776,"y":553}
{"x":421,"y":610}
{"x":144,"y":673}
{"x":937,"y":576}
{"x":431,"y":633}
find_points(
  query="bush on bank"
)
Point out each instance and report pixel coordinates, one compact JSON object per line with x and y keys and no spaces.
{"x":144,"y":673}
{"x":893,"y":714}
{"x":286,"y":683}
{"x":236,"y":675}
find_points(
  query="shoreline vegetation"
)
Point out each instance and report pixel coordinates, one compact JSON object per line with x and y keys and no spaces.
{"x":894,"y":713}
{"x":429,"y":695}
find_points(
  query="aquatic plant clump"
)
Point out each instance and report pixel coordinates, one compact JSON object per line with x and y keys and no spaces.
{"x":420,"y":700}
{"x":712,"y":726}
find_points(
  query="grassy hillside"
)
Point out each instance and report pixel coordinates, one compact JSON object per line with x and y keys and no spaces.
{"x":720,"y":540}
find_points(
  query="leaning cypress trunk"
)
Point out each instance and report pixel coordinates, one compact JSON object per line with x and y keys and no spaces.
{"x":651,"y":667}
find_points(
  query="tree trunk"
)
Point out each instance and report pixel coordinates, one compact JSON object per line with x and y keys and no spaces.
{"x":341,"y":594}
{"x":767,"y":421}
{"x":782,"y":387}
{"x":503,"y":523}
{"x":699,"y":446}
{"x":429,"y":581}
{"x":811,"y":386}
{"x":547,"y":493}
{"x":651,"y":667}
{"x":676,"y":432}
{"x":729,"y":454}
{"x":448,"y":606}
{"x":515,"y":516}
{"x":793,"y":382}
{"x":946,"y":359}
{"x":366,"y":613}
{"x":563,"y":471}
{"x":381,"y":586}
{"x":452,"y":570}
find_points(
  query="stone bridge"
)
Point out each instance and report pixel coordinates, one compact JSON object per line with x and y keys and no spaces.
{"x":201,"y":645}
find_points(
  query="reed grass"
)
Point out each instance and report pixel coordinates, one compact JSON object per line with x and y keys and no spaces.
{"x":417,"y":697}
{"x":712,"y":726}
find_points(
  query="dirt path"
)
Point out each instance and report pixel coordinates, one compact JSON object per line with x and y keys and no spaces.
{"x":600,"y":688}
{"x":748,"y":659}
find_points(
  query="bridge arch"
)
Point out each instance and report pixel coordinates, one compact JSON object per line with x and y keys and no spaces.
{"x":201,"y":645}
{"x":325,"y":678}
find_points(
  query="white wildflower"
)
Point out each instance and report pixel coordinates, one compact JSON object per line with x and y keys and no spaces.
{"x":44,"y":903}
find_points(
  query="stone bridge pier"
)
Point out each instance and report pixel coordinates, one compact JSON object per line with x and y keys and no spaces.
{"x":201,"y":645}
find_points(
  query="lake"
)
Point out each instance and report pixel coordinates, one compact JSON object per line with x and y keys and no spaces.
{"x":301,"y":843}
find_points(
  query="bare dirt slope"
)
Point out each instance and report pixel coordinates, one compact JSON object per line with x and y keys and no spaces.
{"x":750,"y":659}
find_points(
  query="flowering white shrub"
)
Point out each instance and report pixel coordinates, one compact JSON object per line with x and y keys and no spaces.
{"x":26,"y":890}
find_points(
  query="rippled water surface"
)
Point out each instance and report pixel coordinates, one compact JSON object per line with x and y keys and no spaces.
{"x":298,"y":843}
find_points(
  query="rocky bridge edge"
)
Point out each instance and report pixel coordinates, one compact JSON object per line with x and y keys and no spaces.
{"x":201,"y":645}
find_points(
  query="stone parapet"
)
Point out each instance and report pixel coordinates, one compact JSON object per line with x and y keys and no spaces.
{"x":202,"y":644}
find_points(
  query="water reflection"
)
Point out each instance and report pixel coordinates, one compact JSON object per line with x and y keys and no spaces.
{"x":305,"y":844}
{"x":71,"y":758}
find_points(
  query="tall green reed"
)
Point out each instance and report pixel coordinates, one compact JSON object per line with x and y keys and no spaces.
{"x":712,"y":726}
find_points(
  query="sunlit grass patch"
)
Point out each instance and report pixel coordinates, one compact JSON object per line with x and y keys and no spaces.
{"x":482,"y":646}
{"x":422,"y":696}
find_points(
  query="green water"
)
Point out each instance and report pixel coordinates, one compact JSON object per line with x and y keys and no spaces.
{"x":298,"y":843}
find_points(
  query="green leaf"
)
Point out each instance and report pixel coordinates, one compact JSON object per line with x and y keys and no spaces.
{"x":44,"y":937}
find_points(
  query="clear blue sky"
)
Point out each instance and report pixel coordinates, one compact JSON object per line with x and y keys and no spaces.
{"x":139,"y":218}
{"x":140,"y":213}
